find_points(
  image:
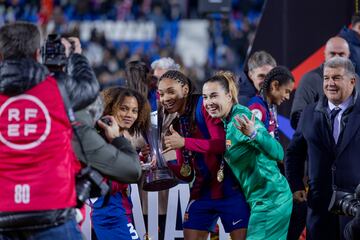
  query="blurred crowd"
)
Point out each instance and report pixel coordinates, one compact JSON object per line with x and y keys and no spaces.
{"x":230,"y":37}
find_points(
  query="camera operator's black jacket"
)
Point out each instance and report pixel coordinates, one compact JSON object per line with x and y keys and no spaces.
{"x":18,"y":76}
{"x":118,"y":160}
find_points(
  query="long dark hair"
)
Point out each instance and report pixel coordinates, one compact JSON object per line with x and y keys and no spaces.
{"x":114,"y":97}
{"x":138,"y":77}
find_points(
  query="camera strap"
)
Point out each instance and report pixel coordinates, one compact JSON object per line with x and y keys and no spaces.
{"x":60,"y":80}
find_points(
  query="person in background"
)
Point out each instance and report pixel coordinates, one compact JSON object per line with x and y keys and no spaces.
{"x":310,"y":88}
{"x":276,"y":89}
{"x":138,"y":77}
{"x":259,"y":64}
{"x":199,"y":141}
{"x":328,"y":137}
{"x":163,"y":65}
{"x":252,"y":155}
{"x":112,"y":215}
{"x":352,"y":36}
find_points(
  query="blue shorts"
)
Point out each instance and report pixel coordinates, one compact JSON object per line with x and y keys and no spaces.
{"x":111,"y":221}
{"x":123,"y":231}
{"x":203,"y":214}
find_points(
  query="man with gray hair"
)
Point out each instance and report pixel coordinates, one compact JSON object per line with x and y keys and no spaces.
{"x":328,"y":136}
{"x":259,"y":64}
{"x":162,"y":65}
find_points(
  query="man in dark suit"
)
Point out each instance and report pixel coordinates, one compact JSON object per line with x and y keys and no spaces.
{"x":329,"y":135}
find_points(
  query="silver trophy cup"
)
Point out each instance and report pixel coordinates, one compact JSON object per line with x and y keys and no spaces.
{"x":161,"y":177}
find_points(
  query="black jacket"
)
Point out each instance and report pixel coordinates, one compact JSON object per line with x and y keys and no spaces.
{"x":353,"y":39}
{"x":310,"y":90}
{"x":247,"y":89}
{"x":18,"y":76}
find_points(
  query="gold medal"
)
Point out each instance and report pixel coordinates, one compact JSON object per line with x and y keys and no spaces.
{"x":220,"y":175}
{"x":185,"y":170}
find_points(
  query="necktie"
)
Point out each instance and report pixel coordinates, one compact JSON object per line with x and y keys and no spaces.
{"x":335,"y":129}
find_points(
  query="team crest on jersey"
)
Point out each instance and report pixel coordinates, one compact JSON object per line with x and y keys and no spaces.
{"x":257,"y":113}
{"x":228,"y":143}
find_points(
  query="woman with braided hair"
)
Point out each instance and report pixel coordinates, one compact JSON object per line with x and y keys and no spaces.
{"x":276,"y":89}
{"x":252,"y":155}
{"x":199,"y":141}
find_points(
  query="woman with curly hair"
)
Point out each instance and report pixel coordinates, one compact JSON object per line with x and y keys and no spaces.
{"x":112,"y":215}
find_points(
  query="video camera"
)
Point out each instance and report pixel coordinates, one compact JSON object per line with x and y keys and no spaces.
{"x":344,"y":203}
{"x":99,"y":129}
{"x":89,"y":184}
{"x":53,"y":53}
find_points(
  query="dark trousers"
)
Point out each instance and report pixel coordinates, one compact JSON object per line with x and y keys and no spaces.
{"x":297,"y":220}
{"x":67,"y":231}
{"x":323,"y":225}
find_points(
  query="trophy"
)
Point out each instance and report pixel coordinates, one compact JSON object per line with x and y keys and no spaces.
{"x":161,"y":177}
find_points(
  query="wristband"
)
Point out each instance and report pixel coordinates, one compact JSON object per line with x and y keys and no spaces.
{"x":253,"y":135}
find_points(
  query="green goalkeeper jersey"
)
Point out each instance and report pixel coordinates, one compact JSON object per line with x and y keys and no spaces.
{"x":254,"y":161}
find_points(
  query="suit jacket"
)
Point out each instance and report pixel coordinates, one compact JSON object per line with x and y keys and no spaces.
{"x":330,"y":166}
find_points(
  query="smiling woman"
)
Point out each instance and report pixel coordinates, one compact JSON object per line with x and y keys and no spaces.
{"x":112,"y":215}
{"x":252,"y":155}
{"x":199,"y":141}
{"x":276,"y":89}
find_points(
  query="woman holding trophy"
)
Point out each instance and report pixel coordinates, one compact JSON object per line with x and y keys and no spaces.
{"x":112,"y":215}
{"x":199,"y":141}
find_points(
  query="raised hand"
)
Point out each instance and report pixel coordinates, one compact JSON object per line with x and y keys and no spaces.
{"x":245,"y":125}
{"x":300,"y":196}
{"x":111,"y":131}
{"x":173,"y":141}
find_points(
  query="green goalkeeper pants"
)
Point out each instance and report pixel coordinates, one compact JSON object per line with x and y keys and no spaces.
{"x":269,"y":221}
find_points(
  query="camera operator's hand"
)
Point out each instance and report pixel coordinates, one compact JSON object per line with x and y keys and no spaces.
{"x":146,"y":158}
{"x":145,"y":151}
{"x":72,"y":45}
{"x":300,"y":196}
{"x":111,"y":131}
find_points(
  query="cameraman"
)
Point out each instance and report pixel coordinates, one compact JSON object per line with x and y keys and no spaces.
{"x":37,"y":163}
